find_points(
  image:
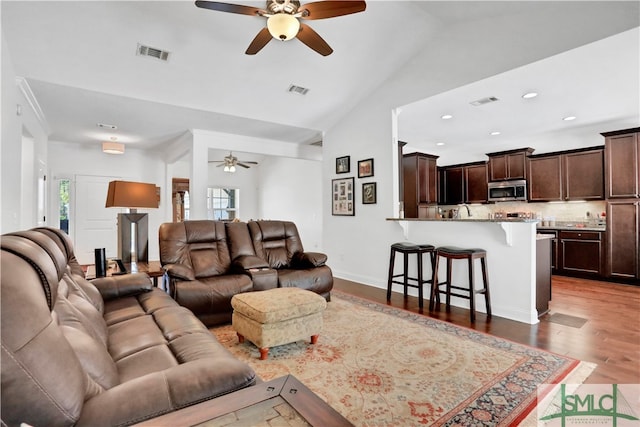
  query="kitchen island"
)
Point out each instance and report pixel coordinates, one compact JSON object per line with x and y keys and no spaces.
{"x":511,"y":259}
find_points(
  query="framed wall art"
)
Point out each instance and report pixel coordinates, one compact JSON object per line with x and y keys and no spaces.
{"x":342,"y":200}
{"x":343,"y":164}
{"x":365,"y":168}
{"x":369,"y":193}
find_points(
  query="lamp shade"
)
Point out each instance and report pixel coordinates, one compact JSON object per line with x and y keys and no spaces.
{"x":126,"y":194}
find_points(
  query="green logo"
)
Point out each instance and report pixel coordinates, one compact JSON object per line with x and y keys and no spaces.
{"x":588,"y":408}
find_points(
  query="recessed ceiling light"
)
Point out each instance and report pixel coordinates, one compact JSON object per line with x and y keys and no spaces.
{"x":440,"y":143}
{"x":530,"y":95}
{"x":495,"y":132}
{"x":446,"y":117}
{"x":569,"y":118}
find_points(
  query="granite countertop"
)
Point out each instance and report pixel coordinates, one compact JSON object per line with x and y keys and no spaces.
{"x":472,"y":219}
{"x":544,"y":236}
{"x":573,"y":227}
{"x":559,"y":225}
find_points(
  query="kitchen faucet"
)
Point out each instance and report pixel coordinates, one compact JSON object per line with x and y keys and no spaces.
{"x":468,"y":210}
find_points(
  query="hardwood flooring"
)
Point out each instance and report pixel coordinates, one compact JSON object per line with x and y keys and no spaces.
{"x":610,"y":336}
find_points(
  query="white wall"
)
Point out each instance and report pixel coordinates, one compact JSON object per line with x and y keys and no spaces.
{"x":68,"y":160}
{"x":20,"y":117}
{"x":291,"y":190}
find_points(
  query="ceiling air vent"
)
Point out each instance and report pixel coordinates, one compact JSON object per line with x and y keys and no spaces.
{"x":152,"y":52}
{"x":298,"y":89}
{"x":482,"y":101}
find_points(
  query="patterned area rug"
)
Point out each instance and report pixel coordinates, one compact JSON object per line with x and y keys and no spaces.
{"x":382,"y":366}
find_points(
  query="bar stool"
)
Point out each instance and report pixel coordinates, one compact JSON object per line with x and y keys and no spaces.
{"x":406,"y":249}
{"x":450,"y":253}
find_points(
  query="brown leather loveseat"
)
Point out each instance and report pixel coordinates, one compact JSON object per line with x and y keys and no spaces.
{"x":110,"y":352}
{"x":208,"y":262}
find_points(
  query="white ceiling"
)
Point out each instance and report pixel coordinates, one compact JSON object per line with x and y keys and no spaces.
{"x":79,"y":60}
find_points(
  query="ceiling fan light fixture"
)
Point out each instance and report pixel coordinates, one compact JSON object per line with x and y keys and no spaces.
{"x":283,"y":26}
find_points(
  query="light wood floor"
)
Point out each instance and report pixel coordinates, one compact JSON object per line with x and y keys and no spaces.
{"x":610,"y":337}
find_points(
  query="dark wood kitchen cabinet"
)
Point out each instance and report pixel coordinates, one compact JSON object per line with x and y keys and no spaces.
{"x":451,"y":185}
{"x":545,"y":178}
{"x":584,"y":174}
{"x":554,"y":247}
{"x":465,"y":183}
{"x":506,"y":165}
{"x":475,"y":180}
{"x":623,"y":239}
{"x":420,"y":180}
{"x":567,"y":175}
{"x":622,"y":164}
{"x":581,"y":252}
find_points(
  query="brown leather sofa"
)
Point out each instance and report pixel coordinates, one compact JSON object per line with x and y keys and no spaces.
{"x":208,"y":262}
{"x":110,"y":352}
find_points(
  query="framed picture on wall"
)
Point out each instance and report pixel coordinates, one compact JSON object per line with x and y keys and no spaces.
{"x":343,"y":164}
{"x":365,"y":168}
{"x":342,"y":200}
{"x":369,"y":193}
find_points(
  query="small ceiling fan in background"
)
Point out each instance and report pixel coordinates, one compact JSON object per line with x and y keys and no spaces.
{"x":283,"y":20}
{"x":230,"y":162}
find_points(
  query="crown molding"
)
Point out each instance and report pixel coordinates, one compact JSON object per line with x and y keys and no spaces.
{"x":28,"y":94}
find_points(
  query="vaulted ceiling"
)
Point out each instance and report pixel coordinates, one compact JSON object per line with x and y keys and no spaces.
{"x":79,"y":58}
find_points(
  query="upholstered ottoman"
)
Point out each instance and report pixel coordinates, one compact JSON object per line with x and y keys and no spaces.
{"x":277,"y":316}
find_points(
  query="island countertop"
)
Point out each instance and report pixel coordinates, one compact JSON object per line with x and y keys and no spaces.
{"x":529,"y":220}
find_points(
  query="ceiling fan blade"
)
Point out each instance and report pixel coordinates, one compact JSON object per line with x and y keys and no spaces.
{"x":260,"y":41}
{"x":312,"y":39}
{"x":329,"y":9}
{"x":248,"y":163}
{"x":231,"y":8}
{"x":243,"y":165}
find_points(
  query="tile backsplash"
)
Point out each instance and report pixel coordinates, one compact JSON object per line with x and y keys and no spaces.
{"x":563,"y":211}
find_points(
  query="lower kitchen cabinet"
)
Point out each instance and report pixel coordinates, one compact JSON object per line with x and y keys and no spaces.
{"x":623,"y":242}
{"x":543,"y":275}
{"x":581,"y":252}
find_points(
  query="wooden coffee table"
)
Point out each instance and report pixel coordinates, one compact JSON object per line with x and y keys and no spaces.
{"x":285,"y":398}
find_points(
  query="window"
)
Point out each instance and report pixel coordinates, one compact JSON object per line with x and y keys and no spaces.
{"x":63,"y":191}
{"x":222,"y":203}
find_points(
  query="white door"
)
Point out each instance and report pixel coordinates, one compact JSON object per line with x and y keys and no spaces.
{"x":95,"y":226}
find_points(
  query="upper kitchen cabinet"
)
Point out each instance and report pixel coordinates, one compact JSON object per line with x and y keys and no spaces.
{"x":420,"y":183}
{"x":505,"y":165}
{"x":475,"y":179}
{"x":463,"y":184}
{"x":584,"y":175}
{"x":451,"y":185}
{"x":568,"y":175}
{"x":622,"y":164}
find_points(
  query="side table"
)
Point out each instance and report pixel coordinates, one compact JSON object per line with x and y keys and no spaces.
{"x":152,"y":268}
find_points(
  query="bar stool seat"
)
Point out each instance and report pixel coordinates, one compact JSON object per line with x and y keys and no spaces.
{"x":450,"y":253}
{"x":406,"y":249}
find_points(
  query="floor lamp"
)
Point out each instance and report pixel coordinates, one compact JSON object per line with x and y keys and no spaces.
{"x":133,"y":227}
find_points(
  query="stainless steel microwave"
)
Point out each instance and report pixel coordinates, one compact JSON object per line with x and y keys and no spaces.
{"x":507,"y":191}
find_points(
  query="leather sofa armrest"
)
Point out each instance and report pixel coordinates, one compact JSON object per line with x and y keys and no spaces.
{"x":123,"y":285}
{"x":309,"y":259}
{"x":179,"y":271}
{"x":249,"y":262}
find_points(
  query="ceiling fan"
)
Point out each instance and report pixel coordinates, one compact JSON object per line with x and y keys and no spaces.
{"x":283,"y":20}
{"x":230,"y":162}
